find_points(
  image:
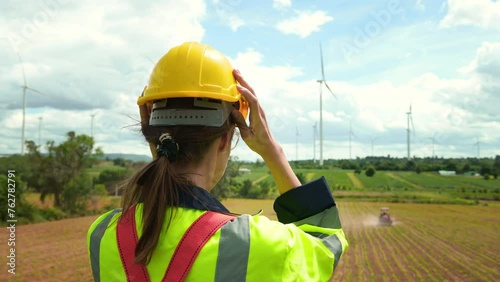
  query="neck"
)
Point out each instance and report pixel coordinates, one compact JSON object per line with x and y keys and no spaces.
{"x":203,"y":173}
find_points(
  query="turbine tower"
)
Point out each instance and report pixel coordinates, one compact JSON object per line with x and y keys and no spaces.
{"x":408,"y":119}
{"x":315,"y":135}
{"x":25,"y":88}
{"x":372,"y":139}
{"x":433,"y":139}
{"x":351,"y":134}
{"x":92,"y":116}
{"x":321,"y":82}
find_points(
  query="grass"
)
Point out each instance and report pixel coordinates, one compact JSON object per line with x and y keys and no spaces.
{"x":382,"y":180}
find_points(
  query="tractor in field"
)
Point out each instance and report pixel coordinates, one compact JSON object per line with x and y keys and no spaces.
{"x":384,"y":219}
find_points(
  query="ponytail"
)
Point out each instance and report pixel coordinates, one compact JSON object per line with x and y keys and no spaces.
{"x":158,"y":186}
{"x":160,"y":189}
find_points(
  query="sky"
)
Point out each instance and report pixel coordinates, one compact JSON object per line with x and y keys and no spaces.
{"x":93,"y":58}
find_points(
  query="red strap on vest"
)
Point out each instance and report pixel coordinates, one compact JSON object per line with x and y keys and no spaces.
{"x":126,"y":236}
{"x":192,"y":242}
{"x":196,"y":236}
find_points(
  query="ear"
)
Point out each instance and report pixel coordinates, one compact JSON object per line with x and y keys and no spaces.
{"x":225,"y":142}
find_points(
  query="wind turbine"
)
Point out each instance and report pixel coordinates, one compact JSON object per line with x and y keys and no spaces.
{"x":315,"y":135}
{"x":350,"y":135}
{"x":372,"y":139}
{"x":478,"y":144}
{"x":321,"y":82}
{"x":92,"y":116}
{"x":25,"y":88}
{"x":433,"y":139}
{"x":409,"y":118}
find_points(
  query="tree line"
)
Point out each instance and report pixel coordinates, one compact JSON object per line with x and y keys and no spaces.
{"x":483,"y":166}
{"x":59,"y":172}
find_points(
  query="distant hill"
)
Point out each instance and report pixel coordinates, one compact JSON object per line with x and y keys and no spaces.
{"x":132,"y":157}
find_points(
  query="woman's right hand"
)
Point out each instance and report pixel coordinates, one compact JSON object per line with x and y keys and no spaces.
{"x":257,"y":136}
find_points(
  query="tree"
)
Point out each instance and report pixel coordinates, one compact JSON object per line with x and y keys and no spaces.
{"x":112,"y":177}
{"x":418,"y":169}
{"x":370,"y":171}
{"x":265,"y":187}
{"x":76,"y":194}
{"x":466,"y":168}
{"x":301,"y":177}
{"x":24,"y":211}
{"x":486,"y":169}
{"x":227,"y":184}
{"x":496,"y":166}
{"x":62,"y":164}
{"x":245,"y":189}
{"x":450,"y":165}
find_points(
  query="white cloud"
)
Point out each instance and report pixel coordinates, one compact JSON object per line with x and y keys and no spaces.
{"x":227,"y":13}
{"x":487,"y":61}
{"x":101,"y":66}
{"x":420,"y":5}
{"x":235,"y":22}
{"x":304,"y":23}
{"x":481,"y":13}
{"x":453,"y":110}
{"x":282,"y":4}
{"x":87,"y":57}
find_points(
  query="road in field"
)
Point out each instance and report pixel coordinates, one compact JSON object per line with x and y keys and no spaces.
{"x":390,"y":174}
{"x":355,"y":181}
{"x":426,"y":243}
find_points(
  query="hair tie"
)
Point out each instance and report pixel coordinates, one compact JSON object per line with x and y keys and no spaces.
{"x":167,"y":147}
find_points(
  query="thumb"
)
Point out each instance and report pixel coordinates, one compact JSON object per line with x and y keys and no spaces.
{"x":238,"y":118}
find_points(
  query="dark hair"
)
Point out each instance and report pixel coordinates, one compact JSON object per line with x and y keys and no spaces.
{"x":157,"y":185}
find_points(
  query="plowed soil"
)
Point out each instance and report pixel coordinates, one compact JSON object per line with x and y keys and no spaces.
{"x":426,"y":243}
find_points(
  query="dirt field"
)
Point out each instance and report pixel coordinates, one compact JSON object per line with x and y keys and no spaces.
{"x":426,"y":243}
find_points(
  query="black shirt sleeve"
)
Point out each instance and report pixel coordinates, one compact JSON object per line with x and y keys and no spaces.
{"x":304,"y":201}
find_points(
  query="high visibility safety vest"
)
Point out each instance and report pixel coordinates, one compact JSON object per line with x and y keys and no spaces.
{"x":305,"y":245}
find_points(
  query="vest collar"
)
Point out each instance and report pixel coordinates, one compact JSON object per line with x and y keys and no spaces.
{"x":200,"y":199}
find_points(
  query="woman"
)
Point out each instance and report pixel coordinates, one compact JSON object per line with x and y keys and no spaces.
{"x":189,"y":111}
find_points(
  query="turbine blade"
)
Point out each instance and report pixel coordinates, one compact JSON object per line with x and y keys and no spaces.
{"x":149,"y":59}
{"x":34,"y":90}
{"x":322,"y":68}
{"x":22,"y":68}
{"x":329,"y":89}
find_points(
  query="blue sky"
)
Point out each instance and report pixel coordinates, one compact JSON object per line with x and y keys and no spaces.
{"x":442,"y":57}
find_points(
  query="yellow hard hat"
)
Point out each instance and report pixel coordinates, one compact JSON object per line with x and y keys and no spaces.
{"x":193,"y":70}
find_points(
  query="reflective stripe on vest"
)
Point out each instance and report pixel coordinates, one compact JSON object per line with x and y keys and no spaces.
{"x":234,"y":249}
{"x":95,"y":244}
{"x":193,"y":240}
{"x":332,"y":242}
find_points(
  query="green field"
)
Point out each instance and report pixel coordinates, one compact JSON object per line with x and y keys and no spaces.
{"x":396,"y":186}
{"x":384,"y":186}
